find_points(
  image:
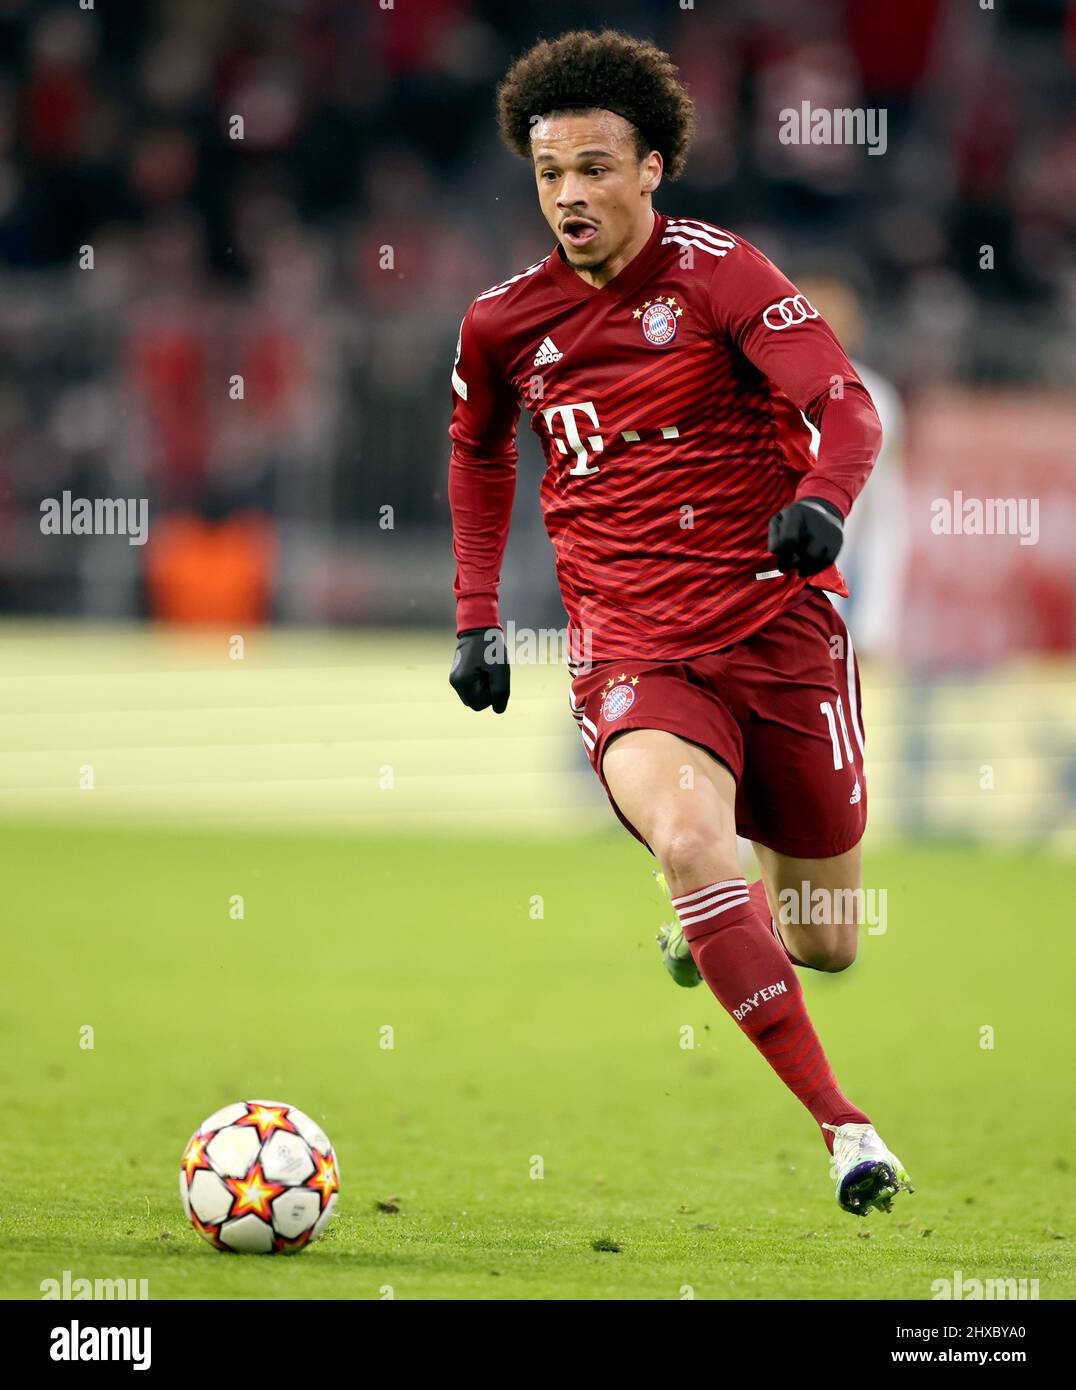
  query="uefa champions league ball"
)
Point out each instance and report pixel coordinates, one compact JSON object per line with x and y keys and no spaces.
{"x":259,"y":1176}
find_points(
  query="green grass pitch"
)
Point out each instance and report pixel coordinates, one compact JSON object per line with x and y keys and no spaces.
{"x":668,"y":1171}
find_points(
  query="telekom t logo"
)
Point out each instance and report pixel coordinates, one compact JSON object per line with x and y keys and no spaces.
{"x":579,"y":445}
{"x":571,"y":431}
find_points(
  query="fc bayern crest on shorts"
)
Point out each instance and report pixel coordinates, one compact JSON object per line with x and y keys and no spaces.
{"x":659,"y":320}
{"x":617,"y":702}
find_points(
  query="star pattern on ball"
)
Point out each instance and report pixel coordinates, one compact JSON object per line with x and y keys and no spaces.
{"x":267,"y":1118}
{"x":246,"y":1206}
{"x":324,"y":1182}
{"x":283,"y":1246}
{"x":209,"y":1231}
{"x":254,"y":1193}
{"x":194,"y":1155}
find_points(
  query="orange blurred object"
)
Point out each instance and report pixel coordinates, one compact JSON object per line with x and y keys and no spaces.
{"x":203,"y":572}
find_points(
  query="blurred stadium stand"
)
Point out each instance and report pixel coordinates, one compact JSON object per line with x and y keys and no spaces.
{"x":327,"y":257}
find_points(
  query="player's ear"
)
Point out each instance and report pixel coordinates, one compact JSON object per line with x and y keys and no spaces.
{"x":651,"y":171}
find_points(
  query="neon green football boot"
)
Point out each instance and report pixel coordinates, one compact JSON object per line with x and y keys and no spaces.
{"x":675,"y":951}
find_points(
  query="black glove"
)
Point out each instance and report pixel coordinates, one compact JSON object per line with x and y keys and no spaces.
{"x":480,"y":670}
{"x":806,"y":536}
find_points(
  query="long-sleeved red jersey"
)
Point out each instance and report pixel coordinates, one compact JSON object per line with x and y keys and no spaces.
{"x":668,"y":406}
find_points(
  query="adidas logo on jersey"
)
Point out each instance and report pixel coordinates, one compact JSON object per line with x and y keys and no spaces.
{"x":857,"y":795}
{"x":547,"y":353}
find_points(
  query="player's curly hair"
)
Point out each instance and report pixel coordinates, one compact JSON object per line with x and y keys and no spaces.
{"x":610,"y":71}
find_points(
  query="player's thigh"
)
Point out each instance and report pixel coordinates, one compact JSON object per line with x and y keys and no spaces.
{"x":679,"y":798}
{"x":818,"y":902}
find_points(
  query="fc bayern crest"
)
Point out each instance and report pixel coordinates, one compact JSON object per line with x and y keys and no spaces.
{"x":617,"y":702}
{"x":659,"y":321}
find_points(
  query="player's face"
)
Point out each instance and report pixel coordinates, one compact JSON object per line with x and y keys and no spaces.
{"x":593,"y":188}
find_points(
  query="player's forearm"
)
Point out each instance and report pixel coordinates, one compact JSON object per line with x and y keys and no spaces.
{"x":480,"y":494}
{"x":851,"y":439}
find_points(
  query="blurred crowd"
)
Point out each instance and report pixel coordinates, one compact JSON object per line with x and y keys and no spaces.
{"x":236,"y":241}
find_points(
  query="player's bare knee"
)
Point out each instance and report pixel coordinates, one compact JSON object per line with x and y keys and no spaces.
{"x":681,"y":847}
{"x":837,"y":961}
{"x":690,"y":853}
{"x":840,"y":953}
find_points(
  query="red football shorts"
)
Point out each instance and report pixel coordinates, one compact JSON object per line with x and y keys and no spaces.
{"x":780,"y":709}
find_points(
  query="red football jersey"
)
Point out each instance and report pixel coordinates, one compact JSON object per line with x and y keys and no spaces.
{"x":668,"y":403}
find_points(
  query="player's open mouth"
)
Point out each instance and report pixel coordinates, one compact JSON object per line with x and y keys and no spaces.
{"x":577,"y":231}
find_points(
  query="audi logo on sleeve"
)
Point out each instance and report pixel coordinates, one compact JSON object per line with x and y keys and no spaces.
{"x":786,"y":312}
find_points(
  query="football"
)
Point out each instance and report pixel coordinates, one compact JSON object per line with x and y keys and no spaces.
{"x":259,"y":1177}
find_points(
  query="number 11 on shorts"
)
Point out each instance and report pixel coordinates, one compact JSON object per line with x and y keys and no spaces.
{"x":827,"y":709}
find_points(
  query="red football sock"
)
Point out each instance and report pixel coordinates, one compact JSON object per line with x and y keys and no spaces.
{"x":757,"y":893}
{"x":752,"y":977}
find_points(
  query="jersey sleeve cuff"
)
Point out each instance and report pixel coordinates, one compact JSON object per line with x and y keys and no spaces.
{"x":814,"y":486}
{"x":476,"y":612}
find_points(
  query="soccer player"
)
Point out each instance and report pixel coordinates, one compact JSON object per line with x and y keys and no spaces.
{"x":667,"y":362}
